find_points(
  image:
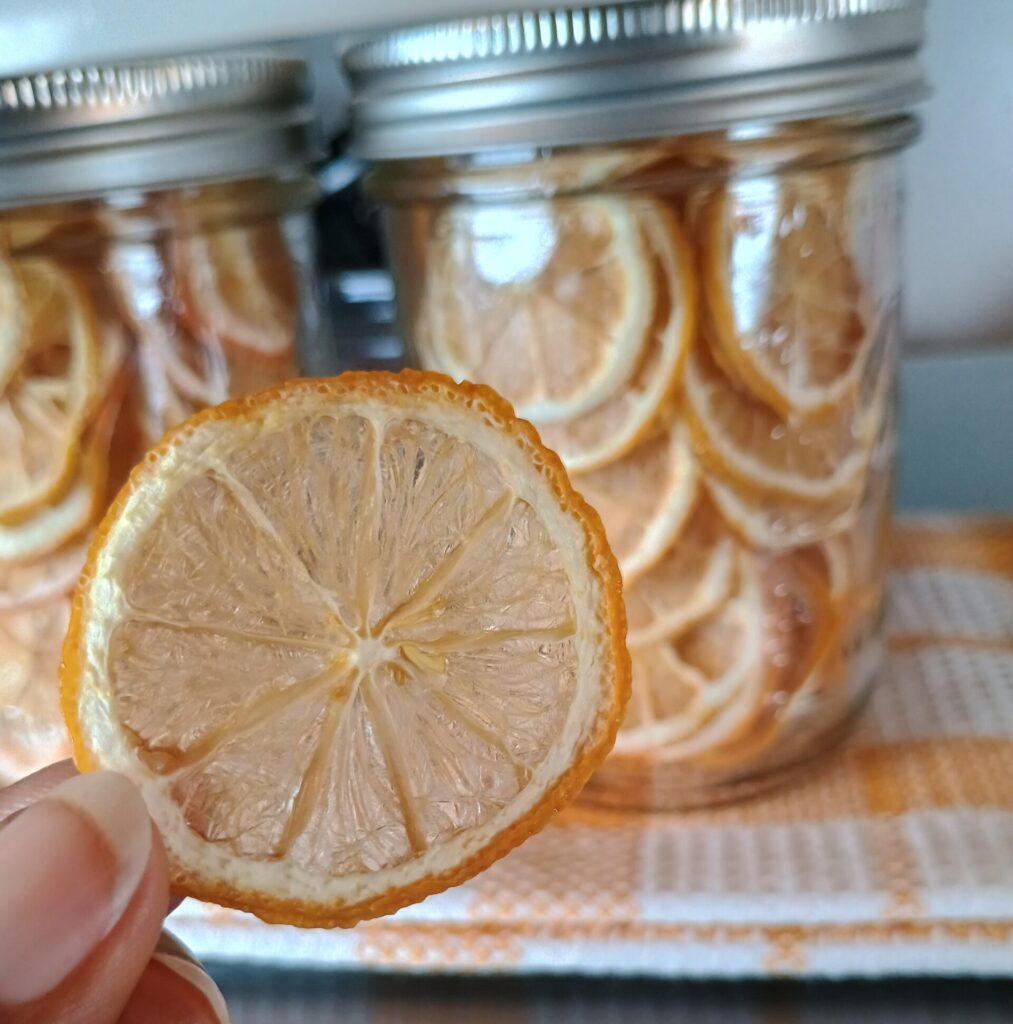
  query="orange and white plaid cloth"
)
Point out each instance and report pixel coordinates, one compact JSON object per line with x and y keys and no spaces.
{"x":893,"y":857}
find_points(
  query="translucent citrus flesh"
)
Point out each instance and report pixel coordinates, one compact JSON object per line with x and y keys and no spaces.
{"x":644,"y":498}
{"x":345,"y":643}
{"x":716,"y":690}
{"x":46,"y":399}
{"x":77,"y":508}
{"x":786,"y":300}
{"x":693,"y":578}
{"x":96,"y":361}
{"x":699,"y":689}
{"x":184,"y":365}
{"x":507,"y":302}
{"x":613,"y":427}
{"x":237,"y":285}
{"x":30,"y":722}
{"x":741,"y":437}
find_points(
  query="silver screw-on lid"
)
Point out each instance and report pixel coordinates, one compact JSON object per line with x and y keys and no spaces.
{"x":148,"y":124}
{"x":629,"y":71}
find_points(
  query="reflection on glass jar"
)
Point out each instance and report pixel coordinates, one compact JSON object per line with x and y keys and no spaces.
{"x":120,"y":315}
{"x":704,"y":327}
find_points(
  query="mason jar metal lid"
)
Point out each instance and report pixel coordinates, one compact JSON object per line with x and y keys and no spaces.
{"x":577,"y":75}
{"x":148,"y":124}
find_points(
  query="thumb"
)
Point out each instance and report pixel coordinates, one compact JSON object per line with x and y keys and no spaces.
{"x":83,"y":893}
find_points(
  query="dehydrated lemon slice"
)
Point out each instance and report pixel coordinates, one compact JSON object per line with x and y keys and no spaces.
{"x":54,"y":525}
{"x":740,"y":437}
{"x":47,"y":397}
{"x":775,"y":521}
{"x":32,"y":732}
{"x":507,"y":301}
{"x":644,"y":498}
{"x":611,"y":429}
{"x":36,"y":582}
{"x":786,"y":302}
{"x":699,"y":690}
{"x":692,"y":579}
{"x":237,"y":285}
{"x":354,"y":639}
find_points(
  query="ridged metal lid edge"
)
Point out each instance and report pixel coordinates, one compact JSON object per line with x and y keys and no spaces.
{"x":80,"y":131}
{"x":600,"y":73}
{"x":99,"y":86}
{"x":563,"y":30}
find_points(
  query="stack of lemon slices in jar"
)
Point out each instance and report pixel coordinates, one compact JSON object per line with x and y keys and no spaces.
{"x":212,"y":307}
{"x":97,"y":360}
{"x":712,"y":384}
{"x":61,"y":390}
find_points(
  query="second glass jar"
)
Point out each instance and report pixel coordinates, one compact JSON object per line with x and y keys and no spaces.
{"x":704,"y":329}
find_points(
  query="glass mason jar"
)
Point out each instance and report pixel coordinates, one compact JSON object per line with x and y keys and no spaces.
{"x":675,"y":252}
{"x":156,"y":257}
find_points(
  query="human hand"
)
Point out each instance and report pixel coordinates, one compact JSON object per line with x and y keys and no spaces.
{"x":84,"y":891}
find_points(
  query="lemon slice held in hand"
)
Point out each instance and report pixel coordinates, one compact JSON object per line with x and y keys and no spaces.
{"x":354,"y":639}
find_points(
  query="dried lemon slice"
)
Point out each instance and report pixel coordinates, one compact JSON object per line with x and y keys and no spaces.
{"x":179,"y":375}
{"x":774,"y":521}
{"x":785,"y":299}
{"x":644,"y":498}
{"x":699,"y":690}
{"x":740,"y":437}
{"x":237,"y":286}
{"x":54,"y":525}
{"x":611,"y":429}
{"x":33,"y":583}
{"x":692,"y":579}
{"x":507,"y":301}
{"x":32,"y":732}
{"x":14,"y":339}
{"x":354,"y":639}
{"x":48,"y":395}
{"x":801,"y":636}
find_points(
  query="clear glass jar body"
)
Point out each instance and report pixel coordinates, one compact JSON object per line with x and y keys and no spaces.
{"x":119,"y":317}
{"x":705,"y":329}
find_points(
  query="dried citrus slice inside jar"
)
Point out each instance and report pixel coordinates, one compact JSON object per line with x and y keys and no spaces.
{"x":354,"y":640}
{"x":644,"y":498}
{"x":27,"y":584}
{"x":48,"y":393}
{"x":783,"y":292}
{"x":56,"y":524}
{"x":718,"y":691}
{"x":237,"y":285}
{"x":774,"y":521}
{"x":506,"y":301}
{"x":806,"y":458}
{"x":13,"y":336}
{"x":627,"y":416}
{"x":688,"y":583}
{"x":699,"y":689}
{"x":32,"y":732}
{"x":801,"y":631}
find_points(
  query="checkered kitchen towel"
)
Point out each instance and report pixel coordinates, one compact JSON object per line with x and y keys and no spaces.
{"x":894,"y":857}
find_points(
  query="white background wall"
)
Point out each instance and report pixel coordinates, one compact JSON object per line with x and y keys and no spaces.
{"x":960,"y":212}
{"x":959,"y":229}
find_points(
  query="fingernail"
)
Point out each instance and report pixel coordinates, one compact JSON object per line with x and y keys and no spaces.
{"x":171,"y":953}
{"x":69,"y":866}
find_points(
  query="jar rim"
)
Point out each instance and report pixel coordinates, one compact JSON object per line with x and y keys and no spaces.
{"x":537,"y":173}
{"x":595,"y":74}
